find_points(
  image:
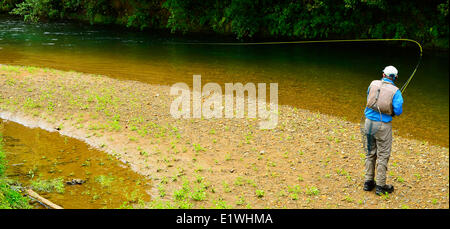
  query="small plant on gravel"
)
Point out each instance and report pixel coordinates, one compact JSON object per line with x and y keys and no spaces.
{"x":385,"y":196}
{"x":30,"y":103}
{"x":198,"y":148}
{"x":342,"y":172}
{"x":114,"y":123}
{"x":226,"y":187}
{"x":362,"y":156}
{"x":220,"y":204}
{"x":227,"y":156}
{"x":143,"y":153}
{"x":293,"y":196}
{"x":330,"y":138}
{"x":418,"y":176}
{"x":182,"y":194}
{"x":251,"y":182}
{"x":239,"y":181}
{"x":282,"y":193}
{"x":199,"y":179}
{"x":51,"y":106}
{"x":274,"y":174}
{"x":199,"y":169}
{"x":348,"y":199}
{"x":434,"y":201}
{"x":11,"y":82}
{"x":248,"y":137}
{"x":259,"y":193}
{"x":199,"y":193}
{"x":240,"y":201}
{"x":184,"y":204}
{"x":294,"y":189}
{"x":312,"y":191}
{"x":271,"y":164}
{"x":164,"y":180}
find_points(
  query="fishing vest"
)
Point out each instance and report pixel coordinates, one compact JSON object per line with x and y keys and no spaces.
{"x":380,"y":96}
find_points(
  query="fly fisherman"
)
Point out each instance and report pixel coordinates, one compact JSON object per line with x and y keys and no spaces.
{"x":384,"y":101}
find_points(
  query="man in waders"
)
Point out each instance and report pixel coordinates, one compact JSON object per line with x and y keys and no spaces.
{"x":384,"y":101}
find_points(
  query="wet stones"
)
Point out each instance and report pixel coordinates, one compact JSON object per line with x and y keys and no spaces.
{"x":75,"y":181}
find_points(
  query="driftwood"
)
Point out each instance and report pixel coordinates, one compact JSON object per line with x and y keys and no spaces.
{"x":41,"y":199}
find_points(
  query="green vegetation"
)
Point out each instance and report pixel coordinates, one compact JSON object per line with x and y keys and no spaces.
{"x":259,"y":193}
{"x":312,"y":191}
{"x":425,"y":21}
{"x":243,"y":175}
{"x":51,"y":185}
{"x":9,"y":197}
{"x":2,"y":158}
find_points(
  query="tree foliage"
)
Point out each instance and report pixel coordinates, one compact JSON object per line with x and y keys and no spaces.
{"x":425,"y":21}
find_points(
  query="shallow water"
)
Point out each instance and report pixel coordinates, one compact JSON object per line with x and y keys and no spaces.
{"x":33,"y":154}
{"x":330,"y":78}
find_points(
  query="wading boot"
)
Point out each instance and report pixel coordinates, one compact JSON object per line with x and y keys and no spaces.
{"x":369,"y":185}
{"x":380,"y":190}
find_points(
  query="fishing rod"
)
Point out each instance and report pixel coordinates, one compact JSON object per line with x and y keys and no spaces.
{"x":328,"y":41}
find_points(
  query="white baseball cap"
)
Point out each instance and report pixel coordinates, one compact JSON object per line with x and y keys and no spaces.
{"x":390,"y":70}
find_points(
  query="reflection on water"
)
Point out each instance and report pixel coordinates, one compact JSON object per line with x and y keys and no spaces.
{"x":330,"y":78}
{"x":36,"y":154}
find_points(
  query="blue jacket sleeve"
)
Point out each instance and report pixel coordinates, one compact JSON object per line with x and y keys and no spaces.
{"x":397,"y":103}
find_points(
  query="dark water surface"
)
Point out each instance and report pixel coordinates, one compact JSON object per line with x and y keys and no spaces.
{"x":330,"y":78}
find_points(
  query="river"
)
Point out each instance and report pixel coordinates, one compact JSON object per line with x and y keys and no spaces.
{"x":34,"y":154}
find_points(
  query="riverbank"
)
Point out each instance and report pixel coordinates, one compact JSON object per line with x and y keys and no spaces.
{"x":310,"y":160}
{"x":155,"y":59}
{"x":69,"y":172}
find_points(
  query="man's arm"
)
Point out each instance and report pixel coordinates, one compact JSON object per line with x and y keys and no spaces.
{"x":397,"y":103}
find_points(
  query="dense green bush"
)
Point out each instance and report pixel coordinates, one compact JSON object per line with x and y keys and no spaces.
{"x":425,"y":21}
{"x":7,"y":5}
{"x":10,"y":198}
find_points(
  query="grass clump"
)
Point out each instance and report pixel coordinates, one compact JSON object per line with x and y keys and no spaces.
{"x":312,"y":191}
{"x":51,"y":185}
{"x":259,"y":193}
